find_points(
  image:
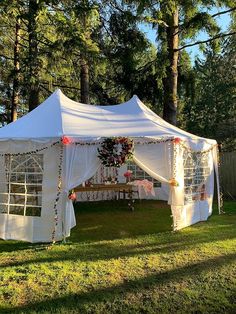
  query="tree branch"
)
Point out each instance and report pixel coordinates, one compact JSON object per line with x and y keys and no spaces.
{"x":206,"y":41}
{"x":184,"y":26}
{"x":224,"y":12}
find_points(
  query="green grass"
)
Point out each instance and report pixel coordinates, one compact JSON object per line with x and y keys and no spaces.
{"x":117,"y":261}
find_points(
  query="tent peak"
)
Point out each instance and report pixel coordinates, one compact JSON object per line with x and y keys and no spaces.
{"x":57,"y":91}
{"x":135,"y":97}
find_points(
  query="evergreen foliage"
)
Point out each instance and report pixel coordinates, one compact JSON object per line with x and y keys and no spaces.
{"x":97,"y":51}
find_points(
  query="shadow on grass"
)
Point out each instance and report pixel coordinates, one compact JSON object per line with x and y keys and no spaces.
{"x":216,"y":229}
{"x":13,"y":246}
{"x":78,"y":301}
{"x":97,"y":221}
{"x":106,"y":250}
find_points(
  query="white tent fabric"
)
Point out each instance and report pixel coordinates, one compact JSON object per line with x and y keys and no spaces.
{"x":58,"y":115}
{"x":81,"y":163}
{"x":39,"y":131}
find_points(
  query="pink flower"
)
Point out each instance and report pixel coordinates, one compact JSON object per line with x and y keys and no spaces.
{"x":128,"y":173}
{"x":66,"y":140}
{"x":177,"y":140}
{"x":72,"y":196}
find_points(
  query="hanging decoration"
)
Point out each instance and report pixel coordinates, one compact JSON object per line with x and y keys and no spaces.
{"x":128,"y":175}
{"x":177,"y":140}
{"x":72,"y":195}
{"x":200,"y":152}
{"x":32,"y":152}
{"x":114,"y":152}
{"x":173,"y":182}
{"x":58,"y":194}
{"x":66,"y":140}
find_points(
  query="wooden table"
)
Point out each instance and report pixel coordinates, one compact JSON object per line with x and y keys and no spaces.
{"x":120,"y":188}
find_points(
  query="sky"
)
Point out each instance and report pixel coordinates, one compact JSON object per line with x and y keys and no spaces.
{"x":222,"y":20}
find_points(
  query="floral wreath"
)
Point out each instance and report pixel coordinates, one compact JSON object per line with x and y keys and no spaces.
{"x":115,"y":151}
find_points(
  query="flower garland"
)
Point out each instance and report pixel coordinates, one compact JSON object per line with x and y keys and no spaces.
{"x":36,"y":151}
{"x":58,"y":194}
{"x":115,"y":151}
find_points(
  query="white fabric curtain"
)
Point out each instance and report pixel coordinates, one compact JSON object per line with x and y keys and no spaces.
{"x":157,"y":161}
{"x":81,"y":163}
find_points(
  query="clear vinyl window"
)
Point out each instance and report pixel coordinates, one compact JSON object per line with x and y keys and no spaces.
{"x":21,"y":180}
{"x":140,"y":174}
{"x":196,"y":172}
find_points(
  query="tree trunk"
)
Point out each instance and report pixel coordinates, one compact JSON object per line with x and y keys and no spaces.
{"x":33,"y":55}
{"x":16,"y":79}
{"x":84,"y":81}
{"x":171,"y":79}
{"x":84,"y":67}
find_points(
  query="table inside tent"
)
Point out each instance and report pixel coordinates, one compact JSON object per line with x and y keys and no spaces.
{"x":119,"y":189}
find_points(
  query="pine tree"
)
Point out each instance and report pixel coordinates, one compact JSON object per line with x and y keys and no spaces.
{"x":177,"y":21}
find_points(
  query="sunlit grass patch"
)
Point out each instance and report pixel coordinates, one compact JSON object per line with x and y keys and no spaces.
{"x":117,"y":261}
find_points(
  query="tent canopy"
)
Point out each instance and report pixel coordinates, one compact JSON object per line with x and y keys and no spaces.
{"x":37,"y":170}
{"x":58,"y":115}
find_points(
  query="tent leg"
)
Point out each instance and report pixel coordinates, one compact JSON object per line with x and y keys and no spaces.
{"x":216,"y":168}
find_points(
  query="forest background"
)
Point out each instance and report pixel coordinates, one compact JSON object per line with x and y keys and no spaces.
{"x":97,"y":52}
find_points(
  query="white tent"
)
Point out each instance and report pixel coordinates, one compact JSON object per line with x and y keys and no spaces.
{"x":37,"y":170}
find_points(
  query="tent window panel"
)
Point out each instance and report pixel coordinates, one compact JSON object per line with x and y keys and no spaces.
{"x":34,"y":189}
{"x":22,"y":186}
{"x":140,"y":174}
{"x":18,"y":177}
{"x":16,"y":210}
{"x":34,"y":178}
{"x":34,"y":200}
{"x":17,"y":199}
{"x":17,"y":188}
{"x":196,"y":172}
{"x":33,"y":211}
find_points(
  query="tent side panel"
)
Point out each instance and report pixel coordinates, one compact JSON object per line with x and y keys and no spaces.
{"x":198,"y":200}
{"x":16,"y":227}
{"x":43,"y":228}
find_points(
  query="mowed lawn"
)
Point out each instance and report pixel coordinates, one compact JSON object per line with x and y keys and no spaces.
{"x":117,"y":261}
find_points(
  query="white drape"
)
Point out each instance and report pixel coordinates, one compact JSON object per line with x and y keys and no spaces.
{"x":81,"y":163}
{"x":157,"y":161}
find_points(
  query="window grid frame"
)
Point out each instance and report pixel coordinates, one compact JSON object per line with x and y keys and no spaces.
{"x":37,"y":194}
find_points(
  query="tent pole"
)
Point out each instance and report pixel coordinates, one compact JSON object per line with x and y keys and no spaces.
{"x":216,"y":168}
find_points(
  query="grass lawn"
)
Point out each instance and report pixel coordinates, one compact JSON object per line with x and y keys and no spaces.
{"x":118,"y":261}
